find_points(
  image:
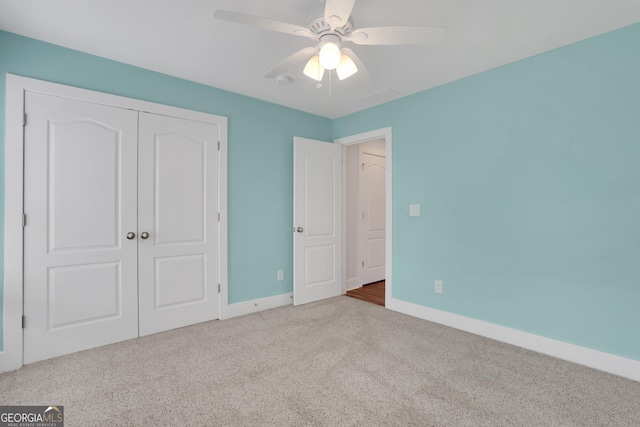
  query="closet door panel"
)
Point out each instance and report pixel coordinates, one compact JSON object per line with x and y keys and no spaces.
{"x":178,"y":208}
{"x":80,"y":201}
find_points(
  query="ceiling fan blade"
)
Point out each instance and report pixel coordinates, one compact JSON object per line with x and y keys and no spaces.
{"x":362,"y":70}
{"x":293,"y":60}
{"x":264,"y":23}
{"x":396,"y":35}
{"x":337,"y":12}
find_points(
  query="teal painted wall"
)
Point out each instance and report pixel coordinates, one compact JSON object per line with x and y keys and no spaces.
{"x":260,"y":155}
{"x":529,"y":180}
{"x":527,"y":175}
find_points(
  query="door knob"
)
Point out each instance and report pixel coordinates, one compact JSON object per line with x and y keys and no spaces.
{"x":131,"y":235}
{"x":144,"y":235}
{"x":299,"y":229}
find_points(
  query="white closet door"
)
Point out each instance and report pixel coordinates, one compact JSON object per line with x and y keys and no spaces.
{"x":178,"y":208}
{"x":80,"y":288}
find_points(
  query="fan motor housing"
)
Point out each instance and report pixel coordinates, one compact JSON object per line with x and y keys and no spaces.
{"x":320,"y":27}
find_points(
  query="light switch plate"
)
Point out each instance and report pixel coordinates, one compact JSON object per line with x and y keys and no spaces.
{"x":414,"y":210}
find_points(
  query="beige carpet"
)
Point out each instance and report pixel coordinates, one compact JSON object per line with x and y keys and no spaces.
{"x":340,"y":362}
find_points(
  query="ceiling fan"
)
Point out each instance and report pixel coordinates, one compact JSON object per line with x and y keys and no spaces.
{"x":329,"y":30}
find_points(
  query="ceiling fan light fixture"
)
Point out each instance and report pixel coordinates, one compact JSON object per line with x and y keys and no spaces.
{"x":313,"y":69}
{"x":329,"y":27}
{"x":330,"y":55}
{"x":346,"y":68}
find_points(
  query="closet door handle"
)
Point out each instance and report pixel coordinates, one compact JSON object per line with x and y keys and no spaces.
{"x":131,"y":235}
{"x":144,"y":235}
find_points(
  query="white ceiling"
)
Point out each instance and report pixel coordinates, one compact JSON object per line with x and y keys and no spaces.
{"x":181,"y":38}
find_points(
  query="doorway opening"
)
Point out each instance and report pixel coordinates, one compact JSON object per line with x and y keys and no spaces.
{"x":367,"y":219}
{"x":320,"y":241}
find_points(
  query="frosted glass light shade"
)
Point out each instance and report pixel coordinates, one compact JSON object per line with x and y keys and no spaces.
{"x":346,"y":68}
{"x":313,"y":69}
{"x":330,"y":55}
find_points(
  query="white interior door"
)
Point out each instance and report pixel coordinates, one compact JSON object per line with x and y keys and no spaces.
{"x":80,"y":285}
{"x":373,"y":218}
{"x":317,"y":199}
{"x":178,"y":211}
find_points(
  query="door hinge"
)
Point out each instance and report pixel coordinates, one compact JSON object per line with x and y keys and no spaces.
{"x":218,"y":145}
{"x":24,"y":120}
{"x":24,"y":220}
{"x":363,"y":166}
{"x":362,"y":264}
{"x":218,"y":216}
{"x":362,"y":215}
{"x":24,"y":321}
{"x":218,"y":287}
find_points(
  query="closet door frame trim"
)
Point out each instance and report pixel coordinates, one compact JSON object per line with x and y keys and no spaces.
{"x":11,"y":356}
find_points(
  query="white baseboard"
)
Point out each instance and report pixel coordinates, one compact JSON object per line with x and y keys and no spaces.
{"x":8,"y":363}
{"x":253,"y":306}
{"x":606,"y":362}
{"x":353,"y":284}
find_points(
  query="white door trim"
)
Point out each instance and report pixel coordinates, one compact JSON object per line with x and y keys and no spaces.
{"x":383,"y":133}
{"x":11,"y":356}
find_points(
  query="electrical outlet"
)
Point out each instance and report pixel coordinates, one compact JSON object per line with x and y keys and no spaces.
{"x":438,"y":286}
{"x":280,"y":275}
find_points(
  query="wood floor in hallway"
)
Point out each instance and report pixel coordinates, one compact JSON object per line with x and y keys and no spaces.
{"x":373,"y":293}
